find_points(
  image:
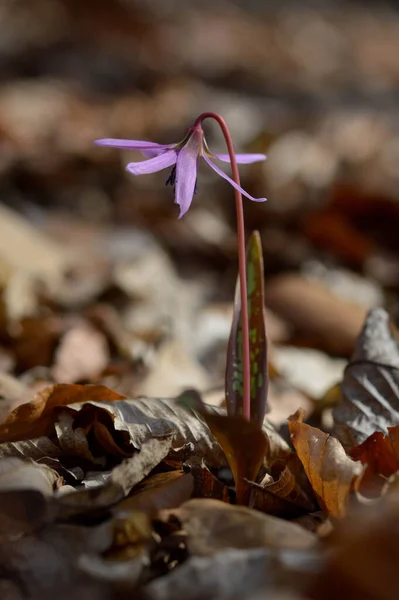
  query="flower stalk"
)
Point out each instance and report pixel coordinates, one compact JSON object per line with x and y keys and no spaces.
{"x":242,"y":269}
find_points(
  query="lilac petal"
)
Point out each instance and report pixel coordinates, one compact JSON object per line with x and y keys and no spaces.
{"x":243,"y":159}
{"x":233,"y":183}
{"x":151,"y":152}
{"x":186,"y":177}
{"x":163,"y":161}
{"x":132,"y":144}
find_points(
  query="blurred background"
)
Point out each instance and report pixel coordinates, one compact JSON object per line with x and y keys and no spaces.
{"x":100,"y":281}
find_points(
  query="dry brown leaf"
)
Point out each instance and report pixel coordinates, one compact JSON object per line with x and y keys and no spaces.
{"x":206,"y":485}
{"x":104,"y":488}
{"x":321,"y":317}
{"x":370,"y":388}
{"x":280,"y":494}
{"x":24,"y":489}
{"x":243,"y":442}
{"x":212,"y":525}
{"x":35,"y":449}
{"x":380,"y":454}
{"x":35,"y":418}
{"x":330,"y":471}
{"x":161,"y":491}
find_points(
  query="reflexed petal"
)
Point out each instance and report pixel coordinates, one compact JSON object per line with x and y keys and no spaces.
{"x":163,"y":161}
{"x":242,"y":159}
{"x":132,"y":144}
{"x":151,"y":152}
{"x":186,"y":171}
{"x":233,"y":183}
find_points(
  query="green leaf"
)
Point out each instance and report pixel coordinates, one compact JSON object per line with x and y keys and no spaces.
{"x":257,"y":340}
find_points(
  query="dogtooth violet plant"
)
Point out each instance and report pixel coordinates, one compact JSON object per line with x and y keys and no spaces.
{"x":183,"y":159}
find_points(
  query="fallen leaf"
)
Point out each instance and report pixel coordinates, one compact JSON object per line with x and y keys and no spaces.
{"x":257,"y":340}
{"x":163,"y":490}
{"x":212,"y":525}
{"x":34,"y":419}
{"x":243,"y":442}
{"x":35,"y":449}
{"x":229,"y":575}
{"x":321,"y":318}
{"x":380,"y":455}
{"x":370,"y":388}
{"x":280,"y":494}
{"x":332,"y":474}
{"x":105,"y":488}
{"x":206,"y":485}
{"x":24,"y":489}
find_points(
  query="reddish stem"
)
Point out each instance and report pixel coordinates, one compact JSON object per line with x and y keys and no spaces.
{"x":241,"y":261}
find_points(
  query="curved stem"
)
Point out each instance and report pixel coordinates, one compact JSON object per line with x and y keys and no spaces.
{"x":241,"y":261}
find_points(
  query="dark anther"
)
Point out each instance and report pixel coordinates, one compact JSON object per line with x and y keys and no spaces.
{"x":172,"y":177}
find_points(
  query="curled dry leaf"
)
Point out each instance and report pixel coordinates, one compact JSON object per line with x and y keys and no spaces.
{"x":330,"y":471}
{"x":370,"y":388}
{"x":212,"y":525}
{"x":380,"y":454}
{"x":206,"y":485}
{"x":107,"y":488}
{"x":35,"y":418}
{"x":35,"y":449}
{"x":280,"y":494}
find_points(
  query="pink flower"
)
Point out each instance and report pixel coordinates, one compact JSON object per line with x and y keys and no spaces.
{"x":183,"y":158}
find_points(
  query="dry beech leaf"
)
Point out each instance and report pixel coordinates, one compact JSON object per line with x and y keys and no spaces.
{"x":35,"y":418}
{"x":24,"y":489}
{"x":161,"y":491}
{"x":16,"y":474}
{"x":109,"y":487}
{"x":380,"y":454}
{"x":370,"y":388}
{"x":141,"y":418}
{"x":206,"y":485}
{"x":330,"y":471}
{"x":35,"y":449}
{"x":212,"y":525}
{"x":243,"y":442}
{"x":280,"y":494}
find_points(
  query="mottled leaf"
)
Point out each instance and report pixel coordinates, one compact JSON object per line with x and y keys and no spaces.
{"x":257,"y":340}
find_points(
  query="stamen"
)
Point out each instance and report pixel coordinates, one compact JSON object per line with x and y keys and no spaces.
{"x":171,"y":180}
